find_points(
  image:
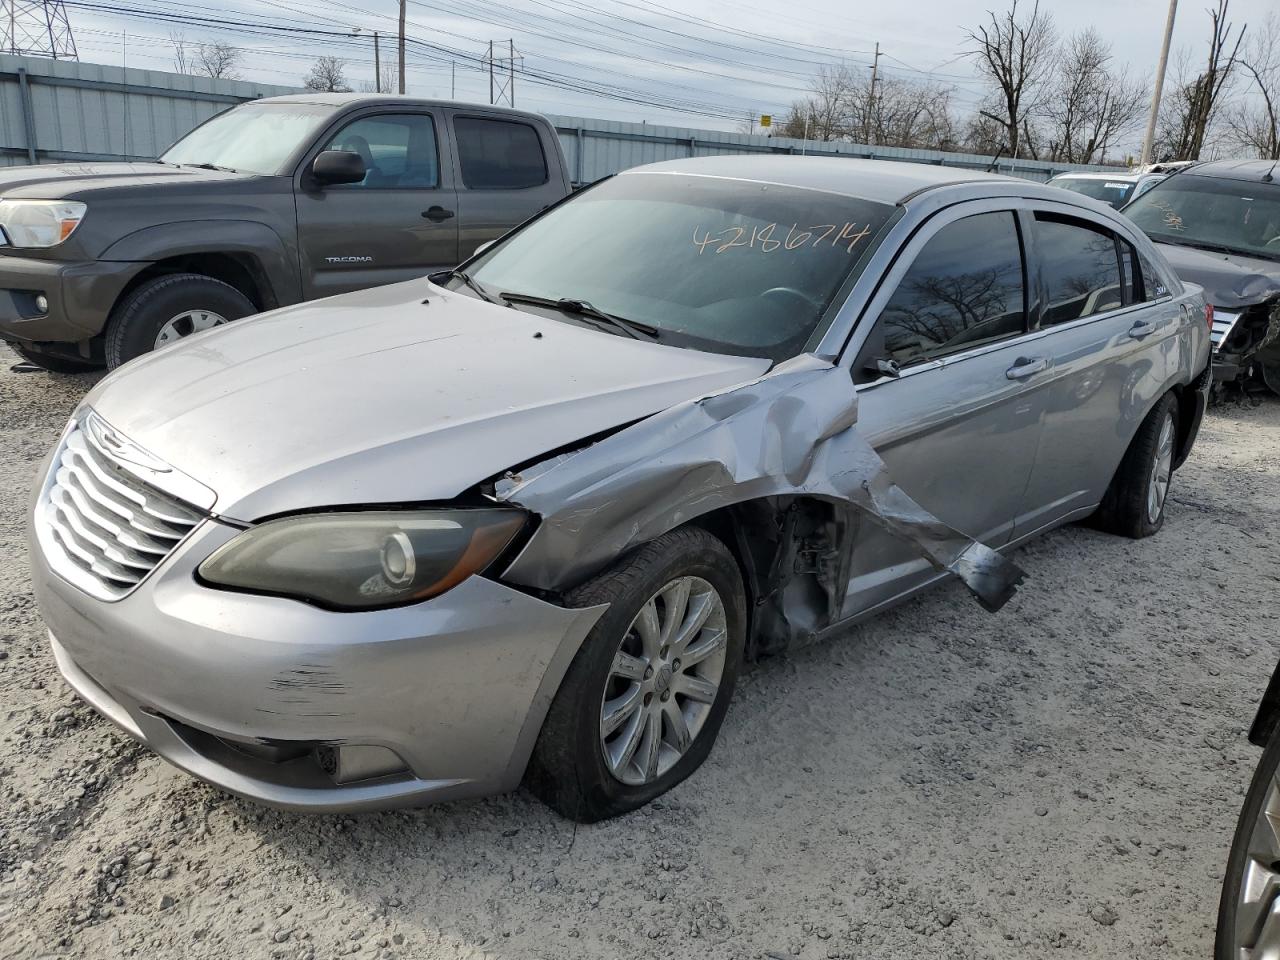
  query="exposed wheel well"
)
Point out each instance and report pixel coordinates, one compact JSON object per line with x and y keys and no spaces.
{"x":237,"y":270}
{"x":1186,"y":395}
{"x":792,"y":552}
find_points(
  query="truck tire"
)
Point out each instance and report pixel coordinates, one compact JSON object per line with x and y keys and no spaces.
{"x":54,"y":363}
{"x":631,"y":719}
{"x":167,"y":309}
{"x":1134,"y":504}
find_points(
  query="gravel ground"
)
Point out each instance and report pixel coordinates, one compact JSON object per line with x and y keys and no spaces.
{"x":941,"y":782}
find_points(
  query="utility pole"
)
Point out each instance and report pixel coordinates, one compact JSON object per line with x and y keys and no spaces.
{"x":871,"y":99}
{"x":453,"y":79}
{"x":37,"y":28}
{"x":1150,"y":137}
{"x":402,"y":6}
{"x":490,"y":72}
{"x":377,"y":65}
{"x":512,"y":75}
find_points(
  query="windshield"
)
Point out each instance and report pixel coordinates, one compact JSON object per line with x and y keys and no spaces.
{"x":252,"y":138}
{"x":727,"y":266}
{"x":1236,"y":216}
{"x":1114,"y":192}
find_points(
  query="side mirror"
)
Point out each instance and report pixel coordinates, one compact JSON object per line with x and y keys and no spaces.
{"x":338,"y":166}
{"x":883,"y":367}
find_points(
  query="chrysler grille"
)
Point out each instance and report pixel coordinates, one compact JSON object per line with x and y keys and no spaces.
{"x":108,"y":522}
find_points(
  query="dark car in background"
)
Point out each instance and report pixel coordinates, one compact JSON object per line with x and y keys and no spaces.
{"x":268,"y":204}
{"x":1218,"y":224}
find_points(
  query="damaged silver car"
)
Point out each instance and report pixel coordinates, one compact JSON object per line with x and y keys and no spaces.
{"x":526,"y":521}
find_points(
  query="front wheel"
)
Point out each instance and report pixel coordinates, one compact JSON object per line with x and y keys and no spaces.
{"x":643,"y":700}
{"x":1249,"y":913}
{"x":167,"y":309}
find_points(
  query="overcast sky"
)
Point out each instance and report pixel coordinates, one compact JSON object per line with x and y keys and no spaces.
{"x":698,"y":63}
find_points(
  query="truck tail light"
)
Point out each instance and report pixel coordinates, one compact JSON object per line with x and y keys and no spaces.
{"x":1208,"y":315}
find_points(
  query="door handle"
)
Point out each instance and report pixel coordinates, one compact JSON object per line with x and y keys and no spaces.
{"x":1142,"y":328}
{"x":1025,"y":367}
{"x":437,"y":214}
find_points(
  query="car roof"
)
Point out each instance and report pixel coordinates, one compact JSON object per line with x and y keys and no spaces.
{"x":884,"y":181}
{"x":1124,"y":175}
{"x":341,"y":100}
{"x":1253,"y":170}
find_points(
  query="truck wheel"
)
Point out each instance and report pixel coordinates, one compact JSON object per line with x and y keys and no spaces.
{"x":167,"y":309}
{"x":54,"y":363}
{"x":1134,"y":505}
{"x":641,"y":703}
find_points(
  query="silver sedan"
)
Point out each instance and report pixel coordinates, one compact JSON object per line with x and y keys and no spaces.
{"x":525,"y":521}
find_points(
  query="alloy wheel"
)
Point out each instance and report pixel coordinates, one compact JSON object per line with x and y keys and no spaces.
{"x":187,"y":323}
{"x":1161,"y":471}
{"x":663,"y":681}
{"x":1257,"y":914}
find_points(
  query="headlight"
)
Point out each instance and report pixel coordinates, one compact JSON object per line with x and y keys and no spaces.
{"x":40,"y":223}
{"x":359,"y":561}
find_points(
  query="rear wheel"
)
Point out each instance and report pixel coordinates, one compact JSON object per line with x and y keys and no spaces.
{"x":1249,"y":913}
{"x":1134,"y":505}
{"x":643,"y":700}
{"x":167,"y":309}
{"x":53,"y":362}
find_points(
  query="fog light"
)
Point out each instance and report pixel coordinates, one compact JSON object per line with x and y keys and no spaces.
{"x":42,"y":303}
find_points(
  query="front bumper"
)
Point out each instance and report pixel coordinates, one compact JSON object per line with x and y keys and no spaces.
{"x":80,"y":296}
{"x":237,"y":689}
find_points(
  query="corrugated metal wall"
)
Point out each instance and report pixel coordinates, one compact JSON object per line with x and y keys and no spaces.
{"x":59,"y":111}
{"x":597,"y":148}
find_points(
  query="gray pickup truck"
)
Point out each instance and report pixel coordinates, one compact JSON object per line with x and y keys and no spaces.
{"x":267,"y":204}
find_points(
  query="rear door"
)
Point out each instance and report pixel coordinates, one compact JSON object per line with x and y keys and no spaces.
{"x":959,"y":426}
{"x":508,"y":170}
{"x":1107,"y":330}
{"x":400,"y":222}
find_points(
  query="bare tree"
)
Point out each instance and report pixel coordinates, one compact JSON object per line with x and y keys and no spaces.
{"x":388,"y":78}
{"x":218,"y":60}
{"x":1090,"y":106}
{"x":181,"y":55}
{"x":1189,"y":112}
{"x":824,"y":115}
{"x":898,"y":112}
{"x":1015,"y":54}
{"x":1255,"y":123}
{"x":328,"y":76}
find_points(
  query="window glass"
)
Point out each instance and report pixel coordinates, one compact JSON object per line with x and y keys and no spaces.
{"x":499,"y":154}
{"x":965,"y":289}
{"x":1132,"y":291}
{"x":1221,"y":215}
{"x":252,"y":138}
{"x":727,"y":266}
{"x":1153,"y":286}
{"x":399,"y":150}
{"x":1080,"y":269}
{"x":1114,"y":192}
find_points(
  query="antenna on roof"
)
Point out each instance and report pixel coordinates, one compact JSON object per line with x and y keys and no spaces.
{"x":1270,"y":174}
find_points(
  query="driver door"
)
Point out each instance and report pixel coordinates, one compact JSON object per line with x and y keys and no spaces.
{"x":400,"y":222}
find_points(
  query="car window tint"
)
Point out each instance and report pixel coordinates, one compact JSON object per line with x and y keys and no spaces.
{"x":499,"y":154}
{"x":965,"y":289}
{"x":399,"y":150}
{"x":1080,"y":268}
{"x":1115,"y":192}
{"x":1153,"y":285}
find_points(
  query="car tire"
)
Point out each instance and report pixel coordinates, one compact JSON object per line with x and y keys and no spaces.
{"x":1253,"y":857}
{"x":174,"y":299}
{"x":570,"y":769}
{"x":1130,"y":506}
{"x":54,"y":363}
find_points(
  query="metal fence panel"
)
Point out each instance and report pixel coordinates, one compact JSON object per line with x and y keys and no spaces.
{"x":59,"y":110}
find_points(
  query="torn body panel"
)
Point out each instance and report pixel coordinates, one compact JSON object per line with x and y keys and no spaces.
{"x":790,"y":434}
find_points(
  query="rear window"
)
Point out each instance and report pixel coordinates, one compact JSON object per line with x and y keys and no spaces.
{"x":499,"y":154}
{"x":1081,"y":269}
{"x":1114,"y":192}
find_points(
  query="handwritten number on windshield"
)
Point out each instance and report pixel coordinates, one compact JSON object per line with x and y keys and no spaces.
{"x":763,"y":239}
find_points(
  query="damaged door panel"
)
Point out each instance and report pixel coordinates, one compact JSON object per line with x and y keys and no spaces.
{"x":791,"y":433}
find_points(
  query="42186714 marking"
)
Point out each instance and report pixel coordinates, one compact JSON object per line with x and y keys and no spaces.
{"x":764,"y":239}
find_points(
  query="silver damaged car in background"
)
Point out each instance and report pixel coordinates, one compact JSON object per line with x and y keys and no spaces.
{"x":525,"y":521}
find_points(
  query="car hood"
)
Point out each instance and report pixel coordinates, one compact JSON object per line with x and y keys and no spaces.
{"x":406,"y":393}
{"x":1229,"y":280}
{"x":64,"y":181}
